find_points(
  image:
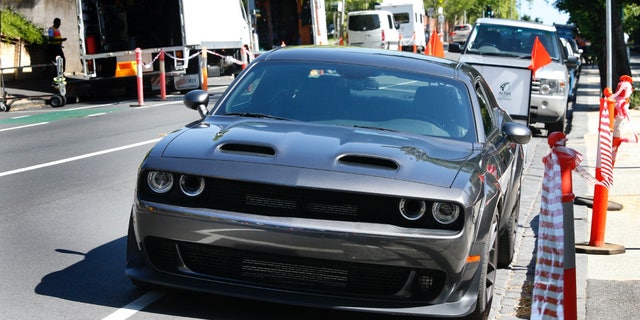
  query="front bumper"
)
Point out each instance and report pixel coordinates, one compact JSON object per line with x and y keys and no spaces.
{"x":366,"y":267}
{"x":547,"y":108}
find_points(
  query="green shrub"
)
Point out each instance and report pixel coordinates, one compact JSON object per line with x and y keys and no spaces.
{"x":634,"y":100}
{"x":13,"y":25}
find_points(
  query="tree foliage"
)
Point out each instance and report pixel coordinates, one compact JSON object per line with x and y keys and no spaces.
{"x":590,"y":19}
{"x":13,"y":25}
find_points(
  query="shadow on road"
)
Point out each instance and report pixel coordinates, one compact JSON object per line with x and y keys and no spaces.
{"x":98,"y":279}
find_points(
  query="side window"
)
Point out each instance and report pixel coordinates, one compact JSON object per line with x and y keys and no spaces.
{"x":390,"y":20}
{"x":485,"y":110}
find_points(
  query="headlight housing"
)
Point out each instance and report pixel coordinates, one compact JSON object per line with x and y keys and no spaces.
{"x":552,"y":87}
{"x":415,"y":213}
{"x":191,"y":186}
{"x":445,"y":213}
{"x":160,"y":181}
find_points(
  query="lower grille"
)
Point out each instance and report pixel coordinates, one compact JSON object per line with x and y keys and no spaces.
{"x":294,"y":273}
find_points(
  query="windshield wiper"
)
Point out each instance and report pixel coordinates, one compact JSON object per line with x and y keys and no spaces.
{"x":370,"y":127}
{"x":497,"y":54}
{"x":254,"y":115}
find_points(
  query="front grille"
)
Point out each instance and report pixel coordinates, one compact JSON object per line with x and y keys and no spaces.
{"x":535,"y":86}
{"x":284,"y":201}
{"x":293,"y":273}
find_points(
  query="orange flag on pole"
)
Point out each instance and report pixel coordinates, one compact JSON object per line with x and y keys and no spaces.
{"x":539,"y":56}
{"x":434,"y":47}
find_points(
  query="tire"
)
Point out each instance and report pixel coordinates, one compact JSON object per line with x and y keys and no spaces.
{"x":4,"y":107}
{"x":558,"y":125}
{"x":57,"y":101}
{"x":488,"y":274}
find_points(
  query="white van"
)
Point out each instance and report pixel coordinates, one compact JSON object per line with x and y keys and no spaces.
{"x":409,"y":15}
{"x":372,"y":29}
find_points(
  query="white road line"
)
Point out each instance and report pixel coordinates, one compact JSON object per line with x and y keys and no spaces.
{"x":135,"y":306}
{"x":80,"y":157}
{"x":25,"y":126}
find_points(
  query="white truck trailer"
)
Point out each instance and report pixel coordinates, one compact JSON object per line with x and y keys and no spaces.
{"x":410,"y":16}
{"x":111,"y":30}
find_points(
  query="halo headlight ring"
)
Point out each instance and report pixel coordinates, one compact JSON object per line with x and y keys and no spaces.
{"x":160,"y":181}
{"x":191,"y":186}
{"x":445,"y":213}
{"x":412,"y":209}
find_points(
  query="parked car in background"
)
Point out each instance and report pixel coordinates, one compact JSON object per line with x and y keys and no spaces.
{"x":573,"y":68}
{"x":509,"y":42}
{"x":337,"y":177}
{"x":372,"y":29}
{"x":460,"y":33}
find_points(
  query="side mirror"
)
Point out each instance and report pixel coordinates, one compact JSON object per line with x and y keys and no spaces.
{"x":455,"y":47}
{"x":197,"y":100}
{"x":572,"y":62}
{"x":517,"y":132}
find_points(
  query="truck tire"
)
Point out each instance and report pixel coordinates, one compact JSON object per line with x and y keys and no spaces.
{"x":57,"y":101}
{"x":556,"y":126}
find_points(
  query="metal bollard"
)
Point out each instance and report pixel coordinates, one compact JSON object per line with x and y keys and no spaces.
{"x":163,"y":78}
{"x":203,"y":66}
{"x":568,"y":162}
{"x":139,"y":78}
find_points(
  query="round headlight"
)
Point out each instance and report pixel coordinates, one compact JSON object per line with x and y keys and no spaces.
{"x":412,"y":209}
{"x":160,"y":181}
{"x":545,"y":89}
{"x":445,"y":213}
{"x":191,"y":186}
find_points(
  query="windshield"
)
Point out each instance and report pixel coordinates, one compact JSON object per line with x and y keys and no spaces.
{"x":353,"y":95}
{"x":511,"y":41}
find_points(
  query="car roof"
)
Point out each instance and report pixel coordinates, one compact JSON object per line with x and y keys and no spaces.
{"x":516,"y":23}
{"x":399,"y":60}
{"x":368,"y":12}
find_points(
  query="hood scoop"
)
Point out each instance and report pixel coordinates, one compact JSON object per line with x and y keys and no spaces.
{"x":248,"y":149}
{"x":368,"y":161}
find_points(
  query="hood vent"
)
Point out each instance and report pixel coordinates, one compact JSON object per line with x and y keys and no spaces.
{"x":248,"y":149}
{"x":367,"y":161}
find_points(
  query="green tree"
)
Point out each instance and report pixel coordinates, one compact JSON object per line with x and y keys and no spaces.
{"x":590,"y":18}
{"x":14,"y":25}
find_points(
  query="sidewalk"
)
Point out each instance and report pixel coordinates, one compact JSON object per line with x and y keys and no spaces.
{"x":608,"y":286}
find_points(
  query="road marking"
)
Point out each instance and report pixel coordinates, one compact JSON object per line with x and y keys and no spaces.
{"x":80,"y":157}
{"x":25,"y":126}
{"x":135,"y":306}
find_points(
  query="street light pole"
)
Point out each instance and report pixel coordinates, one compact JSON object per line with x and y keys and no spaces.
{"x":609,"y":49}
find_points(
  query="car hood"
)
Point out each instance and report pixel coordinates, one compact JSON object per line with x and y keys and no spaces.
{"x":302,"y":145}
{"x":553,"y":70}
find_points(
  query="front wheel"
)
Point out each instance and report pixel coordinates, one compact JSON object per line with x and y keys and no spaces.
{"x":558,"y":125}
{"x":488,"y":274}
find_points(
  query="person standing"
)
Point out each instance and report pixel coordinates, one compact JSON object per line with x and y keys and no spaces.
{"x":55,"y":41}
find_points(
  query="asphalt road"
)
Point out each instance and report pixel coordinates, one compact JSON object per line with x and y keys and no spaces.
{"x":67,"y":179}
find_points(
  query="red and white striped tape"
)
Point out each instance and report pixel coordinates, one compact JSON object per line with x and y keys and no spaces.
{"x":547,"y":301}
{"x":604,"y":160}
